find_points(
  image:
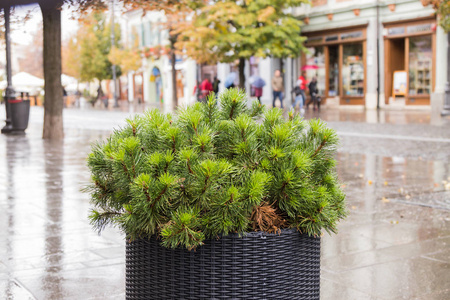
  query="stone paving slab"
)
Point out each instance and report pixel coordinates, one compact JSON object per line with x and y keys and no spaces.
{"x":395,"y":243}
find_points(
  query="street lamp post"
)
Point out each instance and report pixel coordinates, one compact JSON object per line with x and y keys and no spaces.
{"x":446,"y":109}
{"x":9,"y":92}
{"x":116,"y":104}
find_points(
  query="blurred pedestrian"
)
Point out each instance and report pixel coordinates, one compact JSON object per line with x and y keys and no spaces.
{"x":215,"y":85}
{"x":258,"y":93}
{"x":257,"y":84}
{"x":205,"y":88}
{"x":229,"y":81}
{"x":298,"y":97}
{"x":313,"y":91}
{"x":77,"y":98}
{"x":277,"y":87}
{"x":302,"y":82}
{"x":64,"y":97}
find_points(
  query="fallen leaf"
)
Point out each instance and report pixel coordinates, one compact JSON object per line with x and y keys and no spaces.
{"x":385,"y":183}
{"x":369,"y":182}
{"x":353,"y":207}
{"x":385,"y":200}
{"x":408,"y":197}
{"x":394,"y":222}
{"x":356,"y":163}
{"x":436,"y":184}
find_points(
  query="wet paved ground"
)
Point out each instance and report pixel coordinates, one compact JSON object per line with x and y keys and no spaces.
{"x":395,"y":243}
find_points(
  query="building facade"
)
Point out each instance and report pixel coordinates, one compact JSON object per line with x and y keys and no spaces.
{"x":152,"y":83}
{"x":368,"y":53}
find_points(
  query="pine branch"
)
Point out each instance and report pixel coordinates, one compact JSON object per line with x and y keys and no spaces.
{"x":214,"y":170}
{"x":319,"y":148}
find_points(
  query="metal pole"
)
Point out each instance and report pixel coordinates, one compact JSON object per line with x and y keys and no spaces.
{"x":446,"y":110}
{"x":378,"y":56}
{"x":9,"y":92}
{"x":116,"y":103}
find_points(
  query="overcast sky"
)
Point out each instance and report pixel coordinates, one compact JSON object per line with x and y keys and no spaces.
{"x":23,"y":32}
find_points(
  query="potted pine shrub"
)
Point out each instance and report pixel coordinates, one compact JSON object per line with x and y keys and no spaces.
{"x":220,"y":202}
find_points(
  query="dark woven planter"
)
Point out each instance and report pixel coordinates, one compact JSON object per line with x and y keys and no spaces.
{"x":257,"y":266}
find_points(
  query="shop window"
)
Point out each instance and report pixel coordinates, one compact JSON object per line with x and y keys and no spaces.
{"x":315,"y":67}
{"x":353,"y":70}
{"x":351,"y":35}
{"x":331,"y":38}
{"x":396,"y":30}
{"x":316,"y":39}
{"x":420,"y":64}
{"x":418,"y":28}
{"x":333,"y":72}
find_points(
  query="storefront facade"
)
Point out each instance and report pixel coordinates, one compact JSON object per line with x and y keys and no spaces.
{"x":359,"y":51}
{"x":411,"y":46}
{"x":337,"y":60}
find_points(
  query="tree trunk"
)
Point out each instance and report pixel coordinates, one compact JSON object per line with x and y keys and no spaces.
{"x":53,"y":105}
{"x":173,"y":39}
{"x":282,"y":68}
{"x":241,"y":73}
{"x":174,"y":75}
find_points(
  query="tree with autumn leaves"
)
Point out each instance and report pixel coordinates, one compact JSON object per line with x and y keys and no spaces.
{"x":229,"y":31}
{"x":443,"y":10}
{"x":87,"y":54}
{"x":178,"y":16}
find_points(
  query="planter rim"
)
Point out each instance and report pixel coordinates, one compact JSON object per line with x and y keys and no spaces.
{"x":246,"y":234}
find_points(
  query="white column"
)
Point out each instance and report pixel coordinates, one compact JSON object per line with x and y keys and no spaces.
{"x":288,"y":78}
{"x":265,"y":72}
{"x":371,"y":65}
{"x":441,"y":59}
{"x":440,"y":75}
{"x":130,"y":87}
{"x":247,"y":77}
{"x":222,"y":72}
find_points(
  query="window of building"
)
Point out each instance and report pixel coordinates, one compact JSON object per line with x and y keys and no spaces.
{"x":352,"y":35}
{"x":353,"y":70}
{"x":396,"y":30}
{"x":316,"y":39}
{"x":420,"y":65}
{"x":331,"y":38}
{"x":147,"y":34}
{"x":333,"y":71}
{"x":315,"y":67}
{"x":336,"y":59}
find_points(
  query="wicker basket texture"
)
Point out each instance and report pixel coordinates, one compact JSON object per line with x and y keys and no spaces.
{"x":257,"y":266}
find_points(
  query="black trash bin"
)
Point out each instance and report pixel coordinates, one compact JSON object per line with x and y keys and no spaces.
{"x":20,"y":113}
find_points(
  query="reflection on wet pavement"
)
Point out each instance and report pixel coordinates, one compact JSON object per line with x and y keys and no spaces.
{"x":395,"y":244}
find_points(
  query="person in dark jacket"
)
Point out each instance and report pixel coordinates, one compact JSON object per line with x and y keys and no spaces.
{"x":313,"y":91}
{"x":215,"y":85}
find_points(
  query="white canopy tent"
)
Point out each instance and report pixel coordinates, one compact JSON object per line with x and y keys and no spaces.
{"x":25,"y":82}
